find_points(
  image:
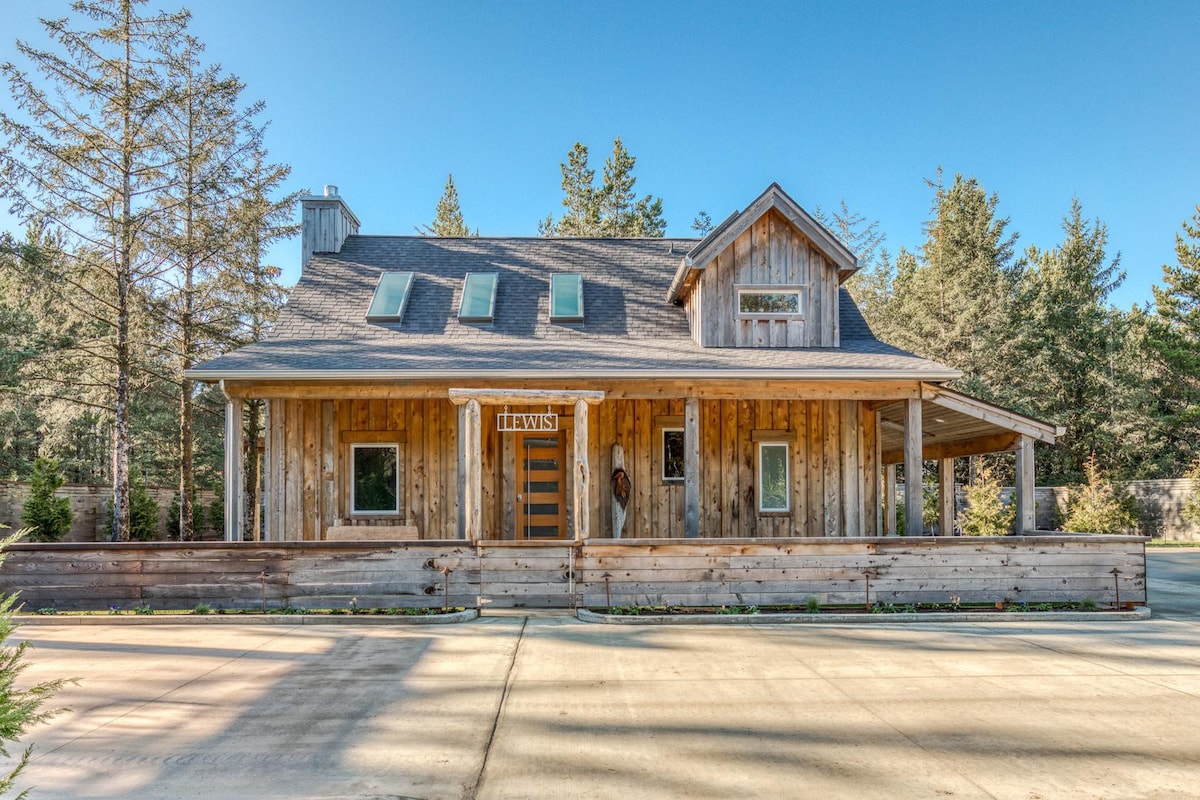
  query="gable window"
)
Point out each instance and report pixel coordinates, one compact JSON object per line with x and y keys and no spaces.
{"x":770,"y":301}
{"x":478,"y":297}
{"x":566,"y":297}
{"x":391,"y":296}
{"x":773,"y":480}
{"x":672,"y":454}
{"x":374,"y":479}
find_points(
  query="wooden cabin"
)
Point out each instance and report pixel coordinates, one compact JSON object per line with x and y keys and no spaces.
{"x":566,"y":389}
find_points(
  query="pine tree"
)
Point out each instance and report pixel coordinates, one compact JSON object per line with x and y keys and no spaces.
{"x":610,"y":210}
{"x":985,"y":514}
{"x":1065,"y":344}
{"x":1175,"y":339}
{"x":871,"y":285}
{"x":47,"y":517}
{"x":1191,"y":506}
{"x":702,"y":224}
{"x":448,"y":220}
{"x":957,"y":300}
{"x":1094,"y":506}
{"x":90,"y":160}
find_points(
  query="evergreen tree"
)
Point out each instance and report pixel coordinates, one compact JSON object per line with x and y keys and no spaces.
{"x":1175,"y":339}
{"x":610,"y":210}
{"x":1191,"y":505}
{"x":985,"y":514}
{"x":88,"y":156}
{"x":448,"y":220}
{"x":47,"y":517}
{"x":957,"y":301}
{"x":871,"y":285}
{"x":702,"y":224}
{"x":1094,"y":506}
{"x":1065,"y":345}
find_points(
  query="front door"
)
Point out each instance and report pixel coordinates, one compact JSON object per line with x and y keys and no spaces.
{"x":541,"y":485}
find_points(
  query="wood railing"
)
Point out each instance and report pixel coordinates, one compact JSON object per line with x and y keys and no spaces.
{"x":1033,"y":569}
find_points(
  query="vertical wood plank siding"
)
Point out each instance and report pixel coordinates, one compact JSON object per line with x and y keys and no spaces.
{"x":835,"y":488}
{"x":770,"y":252}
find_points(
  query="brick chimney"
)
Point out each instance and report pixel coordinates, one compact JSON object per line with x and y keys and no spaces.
{"x":326,"y":221}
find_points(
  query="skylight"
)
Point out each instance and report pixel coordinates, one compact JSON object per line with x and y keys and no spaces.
{"x":566,"y":298}
{"x":391,"y":295}
{"x":478,"y":297}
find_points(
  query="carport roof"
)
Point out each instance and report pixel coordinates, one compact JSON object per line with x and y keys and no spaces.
{"x":954,"y":424}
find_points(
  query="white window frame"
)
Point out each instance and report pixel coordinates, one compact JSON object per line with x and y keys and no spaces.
{"x":764,"y":288}
{"x":662,"y":449}
{"x":787,"y":478}
{"x":374,"y":513}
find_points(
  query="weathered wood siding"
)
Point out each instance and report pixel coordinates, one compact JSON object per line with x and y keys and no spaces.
{"x":770,"y":252}
{"x":833,"y":469}
{"x":308,"y":451}
{"x":171,"y":575}
{"x":834,"y":466}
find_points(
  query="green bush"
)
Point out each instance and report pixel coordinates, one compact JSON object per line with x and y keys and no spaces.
{"x":985,"y":514}
{"x":48,"y":518}
{"x":20,"y":709}
{"x":1095,"y":507}
{"x":1191,"y":506}
{"x":173,"y":527}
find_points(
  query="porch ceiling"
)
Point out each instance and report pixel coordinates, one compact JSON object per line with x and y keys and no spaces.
{"x":954,"y":424}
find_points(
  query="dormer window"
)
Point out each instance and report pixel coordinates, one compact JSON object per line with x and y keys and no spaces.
{"x":478,"y":297}
{"x":391,"y":296}
{"x":566,"y":297}
{"x":770,"y":302}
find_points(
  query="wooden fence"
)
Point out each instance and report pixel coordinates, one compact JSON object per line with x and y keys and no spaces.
{"x":716,"y":572}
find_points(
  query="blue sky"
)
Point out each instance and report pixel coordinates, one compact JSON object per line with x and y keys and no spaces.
{"x":863,"y":101}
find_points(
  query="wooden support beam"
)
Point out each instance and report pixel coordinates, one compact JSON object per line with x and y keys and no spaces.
{"x":912,"y":468}
{"x":946,"y":497}
{"x":889,"y":500}
{"x":583,"y":472}
{"x":1026,"y":519}
{"x":472,"y":450}
{"x":994,"y":443}
{"x":993,"y":414}
{"x":234,"y":471}
{"x":691,"y":468}
{"x":519,"y":397}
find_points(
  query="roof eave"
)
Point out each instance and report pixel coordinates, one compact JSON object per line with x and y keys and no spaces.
{"x":929,"y":376}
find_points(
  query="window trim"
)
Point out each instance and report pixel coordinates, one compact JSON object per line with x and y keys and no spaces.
{"x":395,"y":446}
{"x":662,"y":452}
{"x":399,"y":315}
{"x":787,"y":477}
{"x":462,"y":301}
{"x":579,"y":298}
{"x":797,"y":289}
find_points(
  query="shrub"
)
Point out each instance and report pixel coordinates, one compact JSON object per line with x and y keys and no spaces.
{"x":47,"y":517}
{"x":1191,"y":506}
{"x":20,"y":709}
{"x":985,"y":514}
{"x":143,"y":512}
{"x":173,"y":527}
{"x":1095,"y":507}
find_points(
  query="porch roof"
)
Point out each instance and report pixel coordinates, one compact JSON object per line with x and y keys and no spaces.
{"x":954,"y":424}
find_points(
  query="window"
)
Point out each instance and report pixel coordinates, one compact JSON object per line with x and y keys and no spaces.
{"x":391,"y":296}
{"x":770,"y":301}
{"x":773,"y":492}
{"x":478,"y":297}
{"x":374,"y":479}
{"x":672,"y":454}
{"x":566,"y":298}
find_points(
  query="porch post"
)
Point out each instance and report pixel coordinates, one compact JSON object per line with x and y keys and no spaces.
{"x":473,"y":474}
{"x":912,"y":468}
{"x":889,"y":502}
{"x":691,"y":468}
{"x":234,"y":473}
{"x":946,"y":497}
{"x":1026,"y":520}
{"x":583,"y":482}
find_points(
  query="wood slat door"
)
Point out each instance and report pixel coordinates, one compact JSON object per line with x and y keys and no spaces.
{"x":541,"y":485}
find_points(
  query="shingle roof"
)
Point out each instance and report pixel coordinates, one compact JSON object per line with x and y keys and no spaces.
{"x":629,"y":329}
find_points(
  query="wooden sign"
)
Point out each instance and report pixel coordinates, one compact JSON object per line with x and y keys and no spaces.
{"x":524,"y":423}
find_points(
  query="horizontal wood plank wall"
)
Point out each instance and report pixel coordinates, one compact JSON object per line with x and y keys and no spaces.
{"x":827,"y":456}
{"x":770,"y":252}
{"x":172,"y":575}
{"x":309,"y":471}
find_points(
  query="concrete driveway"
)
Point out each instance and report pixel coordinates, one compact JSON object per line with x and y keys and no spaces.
{"x":548,"y":707}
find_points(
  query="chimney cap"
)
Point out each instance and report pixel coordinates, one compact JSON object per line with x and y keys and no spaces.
{"x":331,"y":190}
